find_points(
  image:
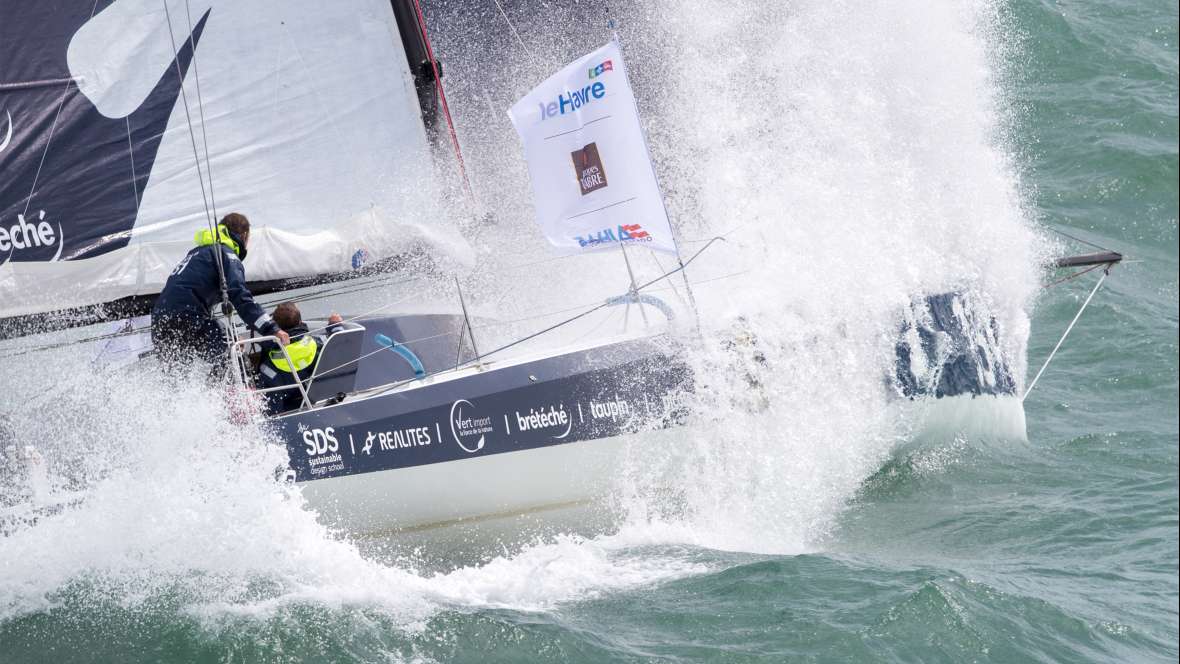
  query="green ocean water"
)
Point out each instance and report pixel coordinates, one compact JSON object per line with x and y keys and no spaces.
{"x":1061,"y":549}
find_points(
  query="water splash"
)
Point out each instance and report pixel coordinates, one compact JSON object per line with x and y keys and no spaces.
{"x":851,"y":154}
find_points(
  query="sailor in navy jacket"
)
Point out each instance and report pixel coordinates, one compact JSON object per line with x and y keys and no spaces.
{"x":183,"y":328}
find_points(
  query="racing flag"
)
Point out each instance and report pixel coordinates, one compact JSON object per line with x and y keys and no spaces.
{"x":593,"y":182}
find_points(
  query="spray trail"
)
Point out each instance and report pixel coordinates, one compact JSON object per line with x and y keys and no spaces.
{"x":853,"y":157}
{"x":182,"y":518}
{"x":852,"y":154}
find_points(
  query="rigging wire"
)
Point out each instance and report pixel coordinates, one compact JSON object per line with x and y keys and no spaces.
{"x":388,"y":280}
{"x":393,"y":279}
{"x":1079,"y":273}
{"x":644,"y":286}
{"x":331,"y":291}
{"x":348,"y":289}
{"x":1106,"y":267}
{"x":1060,"y":341}
{"x":127,"y":330}
{"x":513,"y":29}
{"x":71,"y":80}
{"x":609,"y":317}
{"x":52,"y":128}
{"x":366,"y":313}
{"x":192,"y":133}
{"x":636,"y":289}
{"x":1075,"y":275}
{"x":131,"y":155}
{"x":210,"y":214}
{"x":1078,"y":239}
{"x":25,"y":350}
{"x":542,"y":261}
{"x":536,"y":334}
{"x":660,"y":267}
{"x":200,"y":107}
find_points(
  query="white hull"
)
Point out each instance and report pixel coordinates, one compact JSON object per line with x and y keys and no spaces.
{"x":573,"y":473}
{"x":478,"y":487}
{"x":993,"y":417}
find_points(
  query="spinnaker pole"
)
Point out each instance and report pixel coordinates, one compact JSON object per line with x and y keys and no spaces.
{"x":1105,"y":259}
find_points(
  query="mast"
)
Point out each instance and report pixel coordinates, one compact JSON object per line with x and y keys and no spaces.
{"x":427,"y":72}
{"x":422,"y":68}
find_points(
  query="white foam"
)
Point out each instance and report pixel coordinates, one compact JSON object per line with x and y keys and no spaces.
{"x":856,"y":150}
{"x":187,"y":505}
{"x":853,"y":151}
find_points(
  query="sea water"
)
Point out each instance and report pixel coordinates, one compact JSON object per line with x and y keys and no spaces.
{"x":850,"y":154}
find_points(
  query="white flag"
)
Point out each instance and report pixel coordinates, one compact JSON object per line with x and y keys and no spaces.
{"x":593,"y":182}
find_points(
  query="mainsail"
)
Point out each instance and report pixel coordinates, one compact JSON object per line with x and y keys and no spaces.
{"x":126,"y":125}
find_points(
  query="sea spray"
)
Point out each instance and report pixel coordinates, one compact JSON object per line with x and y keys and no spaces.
{"x":850,"y":155}
{"x":182,"y":517}
{"x":177,"y":501}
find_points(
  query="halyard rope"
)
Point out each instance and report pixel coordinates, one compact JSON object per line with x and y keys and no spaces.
{"x":200,"y":108}
{"x":210,"y":205}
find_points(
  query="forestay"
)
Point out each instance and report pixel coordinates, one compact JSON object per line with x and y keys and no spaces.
{"x":117,"y":143}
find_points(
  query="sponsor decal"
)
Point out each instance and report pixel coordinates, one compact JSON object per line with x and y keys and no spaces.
{"x":470,"y":430}
{"x":26,"y":235}
{"x":86,"y":195}
{"x":555,"y":417}
{"x":387,"y":434}
{"x":613,"y":410}
{"x":621,"y":233}
{"x":320,"y":442}
{"x":325,"y":464}
{"x":606,"y":66}
{"x":570,"y":101}
{"x":588,"y":168}
{"x":323,"y":450}
{"x":388,"y":441}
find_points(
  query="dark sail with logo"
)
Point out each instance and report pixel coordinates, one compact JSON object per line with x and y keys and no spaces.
{"x":126,"y":125}
{"x":71,"y":185}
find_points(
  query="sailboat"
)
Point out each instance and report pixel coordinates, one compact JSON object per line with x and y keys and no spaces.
{"x":130,"y":123}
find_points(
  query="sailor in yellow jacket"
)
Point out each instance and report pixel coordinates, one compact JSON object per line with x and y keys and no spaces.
{"x":303,"y":350}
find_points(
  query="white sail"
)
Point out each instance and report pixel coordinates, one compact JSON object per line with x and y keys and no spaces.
{"x":302,"y":115}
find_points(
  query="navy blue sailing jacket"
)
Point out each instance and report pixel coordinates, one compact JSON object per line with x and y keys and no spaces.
{"x":194,"y":288}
